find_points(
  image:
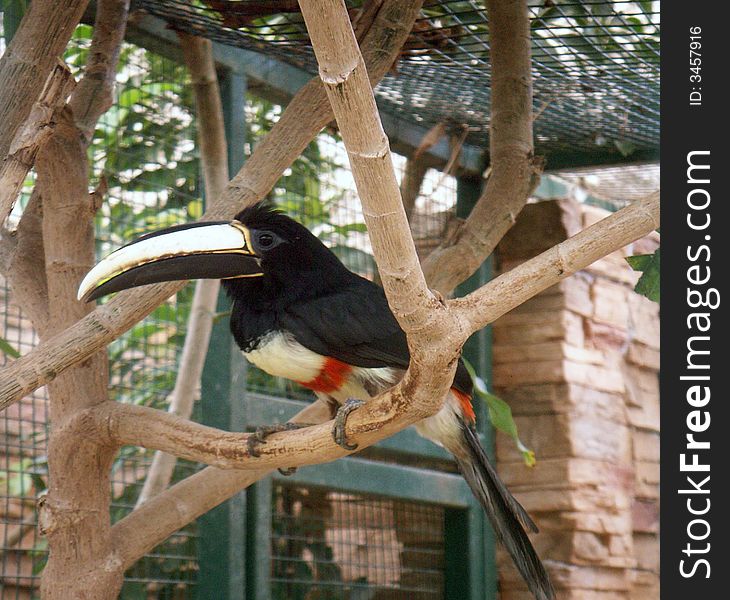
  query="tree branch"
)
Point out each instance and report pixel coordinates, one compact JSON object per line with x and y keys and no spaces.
{"x":511,"y":289}
{"x":198,"y":54}
{"x":35,"y":131}
{"x":343,"y":72}
{"x":28,"y":60}
{"x":515,"y":172}
{"x":26,"y":266}
{"x":93,"y":95}
{"x":305,"y":115}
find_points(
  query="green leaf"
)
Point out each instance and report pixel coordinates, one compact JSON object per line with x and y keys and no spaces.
{"x":648,"y":264}
{"x":625,"y":147}
{"x":7,"y":349}
{"x":500,"y":414}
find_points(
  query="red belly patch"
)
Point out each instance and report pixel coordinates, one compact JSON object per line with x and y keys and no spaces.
{"x":467,"y":410}
{"x":331,"y":378}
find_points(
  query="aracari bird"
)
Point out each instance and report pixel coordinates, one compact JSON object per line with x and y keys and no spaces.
{"x":299,"y":313}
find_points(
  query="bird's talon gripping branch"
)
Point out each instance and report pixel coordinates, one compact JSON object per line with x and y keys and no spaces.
{"x":260,"y":434}
{"x":338,"y":431}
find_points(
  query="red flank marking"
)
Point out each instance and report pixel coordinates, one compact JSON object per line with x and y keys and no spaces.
{"x":331,"y":376}
{"x":466,"y":408}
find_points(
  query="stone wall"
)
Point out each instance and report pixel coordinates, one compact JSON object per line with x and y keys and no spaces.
{"x":579,"y":366}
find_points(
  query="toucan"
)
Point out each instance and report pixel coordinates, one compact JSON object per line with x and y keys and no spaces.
{"x":297,"y":312}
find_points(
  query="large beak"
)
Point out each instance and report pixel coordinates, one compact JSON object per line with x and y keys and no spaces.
{"x":214,"y":250}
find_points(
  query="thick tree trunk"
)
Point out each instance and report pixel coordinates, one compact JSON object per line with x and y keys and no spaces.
{"x":75,"y":512}
{"x":59,"y":228}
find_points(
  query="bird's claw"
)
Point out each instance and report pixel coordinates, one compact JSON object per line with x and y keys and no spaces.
{"x":338,"y":431}
{"x":260,"y":434}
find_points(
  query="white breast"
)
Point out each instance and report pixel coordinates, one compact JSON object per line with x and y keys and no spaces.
{"x":279,"y":354}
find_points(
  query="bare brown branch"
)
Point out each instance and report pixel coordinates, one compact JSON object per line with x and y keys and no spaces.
{"x":344,"y":75}
{"x":93,"y":96}
{"x":410,"y":186}
{"x":515,"y":172}
{"x":198,"y":53}
{"x":25,"y":269}
{"x":28,"y":60}
{"x":511,"y":289}
{"x":31,"y":136}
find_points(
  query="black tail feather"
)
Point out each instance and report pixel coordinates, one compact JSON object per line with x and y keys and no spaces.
{"x":507,"y":516}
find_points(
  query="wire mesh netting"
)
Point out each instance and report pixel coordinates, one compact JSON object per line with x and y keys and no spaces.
{"x":327,"y":544}
{"x":617,"y":186}
{"x":595,"y":65}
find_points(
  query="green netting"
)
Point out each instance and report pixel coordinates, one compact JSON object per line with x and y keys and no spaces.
{"x":328,"y":544}
{"x":595,"y":66}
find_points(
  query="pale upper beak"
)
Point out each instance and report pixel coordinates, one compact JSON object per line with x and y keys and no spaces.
{"x":215,"y":250}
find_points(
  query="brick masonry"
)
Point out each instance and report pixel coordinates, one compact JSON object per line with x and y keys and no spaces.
{"x":579,"y":366}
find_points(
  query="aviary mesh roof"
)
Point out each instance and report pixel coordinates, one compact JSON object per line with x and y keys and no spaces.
{"x":595,"y":65}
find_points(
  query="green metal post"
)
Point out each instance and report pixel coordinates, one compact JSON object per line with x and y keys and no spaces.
{"x":258,"y":573}
{"x":222,"y":546}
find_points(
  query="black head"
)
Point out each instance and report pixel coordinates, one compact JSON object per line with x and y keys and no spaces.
{"x":294,"y":262}
{"x":262,"y":256}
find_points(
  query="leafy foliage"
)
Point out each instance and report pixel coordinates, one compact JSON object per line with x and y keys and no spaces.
{"x":7,"y":349}
{"x":500,"y":415}
{"x":648,"y":264}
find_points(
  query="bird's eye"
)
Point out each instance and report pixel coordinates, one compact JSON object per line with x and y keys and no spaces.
{"x":266,"y":240}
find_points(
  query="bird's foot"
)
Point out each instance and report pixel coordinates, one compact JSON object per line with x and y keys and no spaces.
{"x":338,"y":431}
{"x":260,"y":434}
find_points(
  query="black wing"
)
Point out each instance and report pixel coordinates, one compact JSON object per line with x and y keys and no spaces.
{"x":353,"y":325}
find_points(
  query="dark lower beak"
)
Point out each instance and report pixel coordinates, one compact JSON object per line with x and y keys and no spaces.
{"x":215,"y":250}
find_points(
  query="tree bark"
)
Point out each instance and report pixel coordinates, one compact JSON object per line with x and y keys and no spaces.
{"x":24,"y":148}
{"x":25,"y":264}
{"x":28,"y":60}
{"x":74,"y":514}
{"x":515,"y":171}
